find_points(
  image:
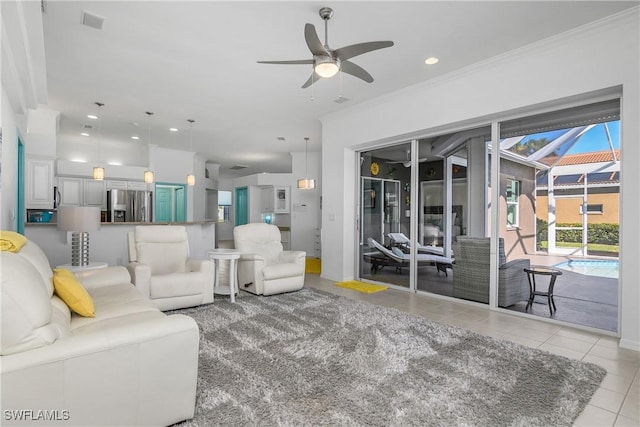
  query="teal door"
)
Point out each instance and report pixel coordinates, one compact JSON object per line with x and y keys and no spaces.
{"x":242,"y":205}
{"x":181,"y":205}
{"x":164,"y":205}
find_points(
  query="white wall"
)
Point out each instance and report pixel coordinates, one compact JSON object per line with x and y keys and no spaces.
{"x":305,"y":204}
{"x":593,"y":58}
{"x":24,"y":86}
{"x":9,"y":182}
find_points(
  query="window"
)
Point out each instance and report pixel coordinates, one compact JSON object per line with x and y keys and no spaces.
{"x":224,"y":203}
{"x":513,"y":202}
{"x":223,"y":213}
{"x":593,"y":209}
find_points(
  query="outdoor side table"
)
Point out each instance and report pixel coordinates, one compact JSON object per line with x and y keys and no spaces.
{"x":539,"y":270}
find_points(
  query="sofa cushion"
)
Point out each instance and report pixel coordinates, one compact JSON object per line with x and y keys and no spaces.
{"x":32,"y":253}
{"x":259,"y":238}
{"x":279,"y":271}
{"x":111,"y":302}
{"x":26,"y":307}
{"x":176,"y":285}
{"x":72,"y":293}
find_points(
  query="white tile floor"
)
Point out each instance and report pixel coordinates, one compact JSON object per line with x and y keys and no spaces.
{"x":615,"y":403}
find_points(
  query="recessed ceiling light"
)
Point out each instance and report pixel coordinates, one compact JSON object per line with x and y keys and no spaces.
{"x":84,"y":134}
{"x":432,"y":60}
{"x":135,"y":137}
{"x":92,"y":116}
{"x":173,"y":129}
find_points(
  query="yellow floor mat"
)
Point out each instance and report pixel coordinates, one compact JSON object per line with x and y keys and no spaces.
{"x":367,"y":288}
{"x":313,"y":266}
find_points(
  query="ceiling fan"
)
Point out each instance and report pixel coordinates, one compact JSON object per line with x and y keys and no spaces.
{"x":326,"y":61}
{"x":407,"y":163}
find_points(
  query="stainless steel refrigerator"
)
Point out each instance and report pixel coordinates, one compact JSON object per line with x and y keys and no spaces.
{"x":129,"y":205}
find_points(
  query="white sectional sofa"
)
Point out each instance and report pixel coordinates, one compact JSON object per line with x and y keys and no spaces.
{"x":130,"y":365}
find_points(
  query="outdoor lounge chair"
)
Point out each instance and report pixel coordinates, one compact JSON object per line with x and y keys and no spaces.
{"x":400,"y":259}
{"x":399,"y":239}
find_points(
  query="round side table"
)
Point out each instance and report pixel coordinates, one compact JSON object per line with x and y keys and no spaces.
{"x":539,"y":270}
{"x":217,"y":255}
{"x":78,"y":268}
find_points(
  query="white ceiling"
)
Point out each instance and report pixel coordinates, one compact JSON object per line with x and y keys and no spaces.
{"x":197,"y":60}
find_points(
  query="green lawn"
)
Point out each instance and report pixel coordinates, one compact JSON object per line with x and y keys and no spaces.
{"x":591,"y":247}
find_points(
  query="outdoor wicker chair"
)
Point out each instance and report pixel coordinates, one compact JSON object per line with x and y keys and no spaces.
{"x":471,"y":272}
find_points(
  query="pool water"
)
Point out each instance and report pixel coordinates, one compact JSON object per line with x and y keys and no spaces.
{"x":592,"y":267}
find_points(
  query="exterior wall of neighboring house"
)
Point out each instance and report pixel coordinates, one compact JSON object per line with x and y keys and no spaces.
{"x":520,"y":239}
{"x":568,"y":209}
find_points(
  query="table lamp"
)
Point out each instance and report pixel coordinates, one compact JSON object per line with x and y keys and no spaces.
{"x":80,"y":220}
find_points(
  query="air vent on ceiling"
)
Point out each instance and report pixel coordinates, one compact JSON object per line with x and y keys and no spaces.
{"x":86,"y":126}
{"x":91,"y":20}
{"x":280,"y":138}
{"x":238,"y":167}
{"x":341,"y":100}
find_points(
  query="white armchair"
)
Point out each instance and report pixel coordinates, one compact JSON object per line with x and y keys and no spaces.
{"x":264,"y":268}
{"x":162,"y":271}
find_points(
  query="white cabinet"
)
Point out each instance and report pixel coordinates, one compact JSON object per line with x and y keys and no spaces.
{"x":39,"y":180}
{"x":95,"y":193}
{"x":275,"y":199}
{"x":70,"y":191}
{"x":120,"y":185}
{"x":124,"y":185}
{"x":281,"y":200}
{"x":82,"y":192}
{"x":136,"y":185}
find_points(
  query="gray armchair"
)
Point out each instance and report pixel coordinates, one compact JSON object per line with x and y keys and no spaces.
{"x":471,"y":272}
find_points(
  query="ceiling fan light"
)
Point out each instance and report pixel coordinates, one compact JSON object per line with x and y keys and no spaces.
{"x":326,"y":68}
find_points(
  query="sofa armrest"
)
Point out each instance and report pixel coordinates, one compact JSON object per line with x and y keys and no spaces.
{"x":251,"y":257}
{"x":140,"y":277}
{"x":118,"y":367}
{"x":102,"y":277}
{"x":293,"y":256}
{"x":207,"y":268}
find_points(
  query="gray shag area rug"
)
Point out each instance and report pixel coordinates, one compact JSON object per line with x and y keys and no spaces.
{"x":311,"y":358}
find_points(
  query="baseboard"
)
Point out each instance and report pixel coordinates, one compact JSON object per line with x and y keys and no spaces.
{"x":630,"y":345}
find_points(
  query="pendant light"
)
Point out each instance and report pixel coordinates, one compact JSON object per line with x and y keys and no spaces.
{"x":191,"y":178}
{"x":98,"y":171}
{"x":306,"y":183}
{"x":148,"y":174}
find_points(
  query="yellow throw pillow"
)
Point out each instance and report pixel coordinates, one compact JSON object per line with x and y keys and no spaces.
{"x":72,"y":293}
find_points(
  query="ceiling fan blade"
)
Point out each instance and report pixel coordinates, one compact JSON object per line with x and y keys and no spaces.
{"x":299,"y":61}
{"x":347,"y":52}
{"x":313,"y":42}
{"x":314,"y":77}
{"x":356,"y":71}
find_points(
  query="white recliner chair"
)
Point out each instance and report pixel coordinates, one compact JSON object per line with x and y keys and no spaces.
{"x":264,"y":268}
{"x":162,"y":271}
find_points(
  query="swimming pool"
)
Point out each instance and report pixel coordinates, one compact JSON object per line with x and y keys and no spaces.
{"x":591,"y":267}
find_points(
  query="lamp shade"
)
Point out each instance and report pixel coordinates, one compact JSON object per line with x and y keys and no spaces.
{"x":191,"y":180}
{"x":98,"y":173}
{"x":79,"y":218}
{"x":306,"y":184}
{"x":148,"y":177}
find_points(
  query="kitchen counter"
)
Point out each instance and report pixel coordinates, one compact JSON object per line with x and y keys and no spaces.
{"x":136,"y":223}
